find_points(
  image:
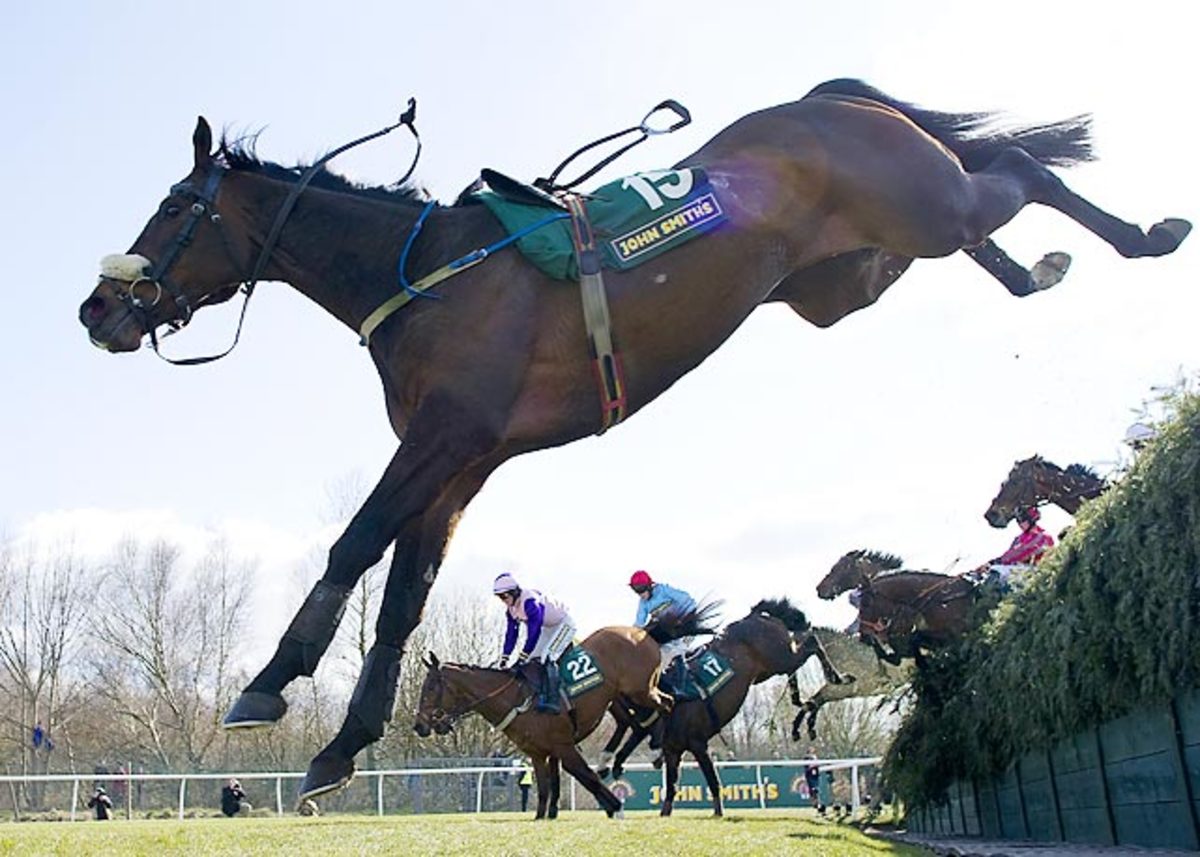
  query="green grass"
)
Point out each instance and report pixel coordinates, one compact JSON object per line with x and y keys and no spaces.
{"x":579,"y":834}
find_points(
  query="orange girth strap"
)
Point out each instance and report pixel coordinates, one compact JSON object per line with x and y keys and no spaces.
{"x":601,"y":346}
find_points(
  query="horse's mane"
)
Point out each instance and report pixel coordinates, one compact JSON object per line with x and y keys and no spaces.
{"x":783,"y":610}
{"x":886,"y":561}
{"x":239,"y":155}
{"x":1082,"y":471}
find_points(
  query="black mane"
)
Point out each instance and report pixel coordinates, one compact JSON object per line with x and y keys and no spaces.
{"x":886,"y":561}
{"x":783,"y":610}
{"x":1081,"y":471}
{"x":239,"y":155}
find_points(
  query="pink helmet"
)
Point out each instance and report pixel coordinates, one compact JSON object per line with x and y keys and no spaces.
{"x":640,"y":578}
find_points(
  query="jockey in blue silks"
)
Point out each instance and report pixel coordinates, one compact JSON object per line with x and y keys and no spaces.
{"x":655,"y":601}
{"x":549,"y":632}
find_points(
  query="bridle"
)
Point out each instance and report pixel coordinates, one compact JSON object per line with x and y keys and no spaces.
{"x":449,"y":718}
{"x":204,"y":208}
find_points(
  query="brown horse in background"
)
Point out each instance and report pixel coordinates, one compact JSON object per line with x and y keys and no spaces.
{"x":1035,"y":481}
{"x":627,"y":658}
{"x":900,"y":613}
{"x":828,"y":200}
{"x":774,"y":639}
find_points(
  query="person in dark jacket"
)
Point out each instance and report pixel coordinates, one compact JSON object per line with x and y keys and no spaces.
{"x":233,"y":800}
{"x":101,"y":803}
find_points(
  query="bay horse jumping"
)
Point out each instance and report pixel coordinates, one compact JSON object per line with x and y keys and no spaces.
{"x":901,"y":613}
{"x":827,"y":201}
{"x":1035,"y":481}
{"x":627,"y":661}
{"x":775,"y":638}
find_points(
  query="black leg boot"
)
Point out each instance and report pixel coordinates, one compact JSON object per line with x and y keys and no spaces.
{"x":370,"y":710}
{"x":299,"y":652}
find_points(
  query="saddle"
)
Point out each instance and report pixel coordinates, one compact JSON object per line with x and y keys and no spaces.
{"x":519,"y":192}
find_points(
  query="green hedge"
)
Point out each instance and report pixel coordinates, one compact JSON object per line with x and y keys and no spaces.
{"x":1109,"y":622}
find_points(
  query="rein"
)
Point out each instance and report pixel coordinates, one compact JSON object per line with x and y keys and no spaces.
{"x":451,"y":716}
{"x":205,"y":200}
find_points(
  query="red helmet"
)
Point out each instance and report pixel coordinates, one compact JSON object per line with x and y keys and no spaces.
{"x":1032,"y":515}
{"x":640,"y":578}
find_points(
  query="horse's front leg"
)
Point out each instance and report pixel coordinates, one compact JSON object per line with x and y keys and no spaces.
{"x":431,"y":501}
{"x":891,"y":657}
{"x":700,"y":751}
{"x":812,"y":646}
{"x":308,"y":636}
{"x":541,"y":773}
{"x":671,"y":758}
{"x":555,"y":788}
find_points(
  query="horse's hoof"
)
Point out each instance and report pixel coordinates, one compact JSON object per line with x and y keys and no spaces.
{"x":326,"y":773}
{"x":255,"y":708}
{"x":602,"y":773}
{"x":1049,"y":271}
{"x":1166,"y":236}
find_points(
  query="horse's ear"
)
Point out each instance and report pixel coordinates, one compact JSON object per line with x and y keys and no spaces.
{"x":202,"y":142}
{"x":433,"y":661}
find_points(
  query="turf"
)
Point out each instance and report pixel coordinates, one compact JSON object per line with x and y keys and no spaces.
{"x":577,"y":834}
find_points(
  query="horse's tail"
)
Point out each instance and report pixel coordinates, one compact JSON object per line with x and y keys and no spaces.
{"x":675,"y":625}
{"x":977,"y":138}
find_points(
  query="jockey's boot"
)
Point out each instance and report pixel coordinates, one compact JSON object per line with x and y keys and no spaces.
{"x":677,"y":676}
{"x":548,"y":699}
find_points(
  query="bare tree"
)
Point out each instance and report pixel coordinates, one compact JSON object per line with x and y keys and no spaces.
{"x":43,"y":604}
{"x":168,"y":640}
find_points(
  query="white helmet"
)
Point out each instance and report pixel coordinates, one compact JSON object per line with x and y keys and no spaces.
{"x":505,"y":583}
{"x":1139,"y":433}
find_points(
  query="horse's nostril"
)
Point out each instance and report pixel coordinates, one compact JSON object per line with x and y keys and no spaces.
{"x":92,"y":310}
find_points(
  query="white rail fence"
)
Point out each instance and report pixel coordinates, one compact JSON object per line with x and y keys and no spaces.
{"x":380,"y":776}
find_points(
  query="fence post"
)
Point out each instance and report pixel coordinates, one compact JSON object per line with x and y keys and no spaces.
{"x":572,"y":794}
{"x":854,"y":799}
{"x":74,"y":797}
{"x":379,"y":793}
{"x":279,"y":796}
{"x":479,"y":793}
{"x":182,"y":791}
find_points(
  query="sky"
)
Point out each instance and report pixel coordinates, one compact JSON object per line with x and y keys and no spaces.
{"x":786,"y":448}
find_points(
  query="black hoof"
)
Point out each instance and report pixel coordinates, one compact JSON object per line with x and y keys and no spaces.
{"x":255,"y":708}
{"x":602,"y":773}
{"x":326,"y":773}
{"x":1166,"y":236}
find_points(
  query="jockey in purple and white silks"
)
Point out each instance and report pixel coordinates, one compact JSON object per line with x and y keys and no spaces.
{"x":549,"y":632}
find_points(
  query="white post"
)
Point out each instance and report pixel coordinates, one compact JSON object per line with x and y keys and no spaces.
{"x":74,"y":798}
{"x":854,"y":801}
{"x":762,"y":792}
{"x":572,"y":794}
{"x":182,"y":790}
{"x":379,"y":793}
{"x":279,"y":796}
{"x":479,"y":793}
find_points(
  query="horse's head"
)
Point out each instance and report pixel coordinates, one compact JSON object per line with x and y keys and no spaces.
{"x":1021,"y":489}
{"x":853,"y":569}
{"x":190,"y":254}
{"x":433,"y":709}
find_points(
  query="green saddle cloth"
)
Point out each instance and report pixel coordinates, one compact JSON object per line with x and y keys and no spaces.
{"x":634,"y":219}
{"x":579,"y":672}
{"x":707,"y":673}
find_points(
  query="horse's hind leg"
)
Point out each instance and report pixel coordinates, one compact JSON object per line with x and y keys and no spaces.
{"x":1015,"y":178}
{"x":1019,"y":280}
{"x":555,"y":788}
{"x":578,"y":768}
